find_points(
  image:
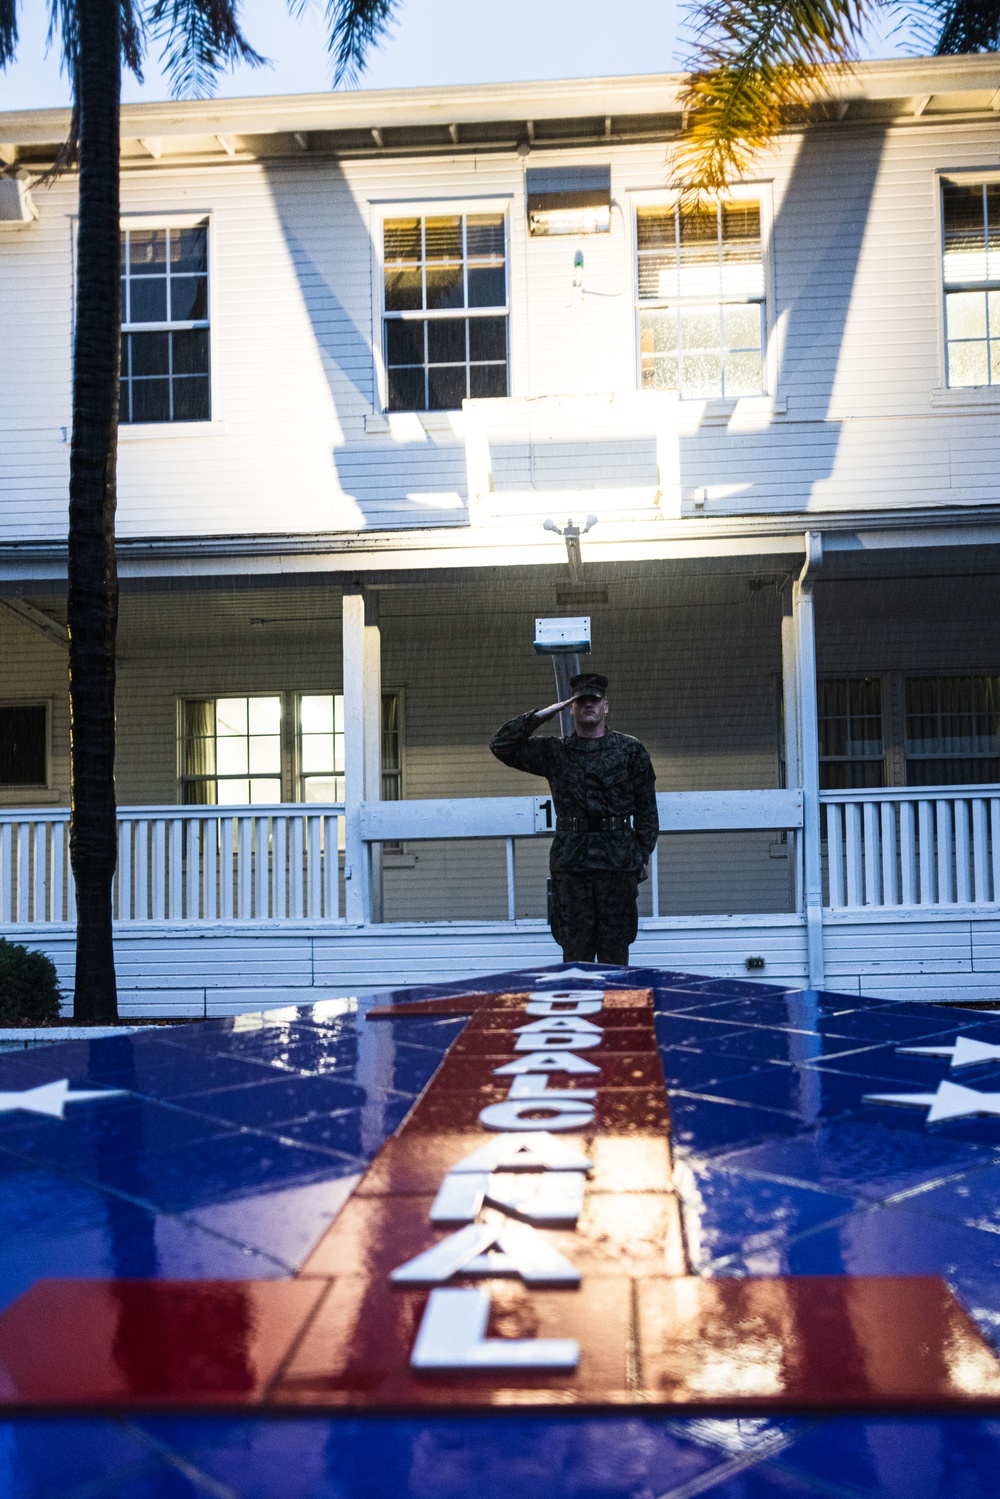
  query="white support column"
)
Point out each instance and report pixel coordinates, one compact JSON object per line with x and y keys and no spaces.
{"x":372,"y":692}
{"x":804,"y":625}
{"x":790,"y":700}
{"x":362,"y":747}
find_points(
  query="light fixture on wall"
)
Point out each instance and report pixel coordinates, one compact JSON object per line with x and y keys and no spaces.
{"x":569,"y":200}
{"x":571,"y":534}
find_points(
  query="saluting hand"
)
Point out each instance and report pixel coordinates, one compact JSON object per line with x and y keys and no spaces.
{"x":544,"y":714}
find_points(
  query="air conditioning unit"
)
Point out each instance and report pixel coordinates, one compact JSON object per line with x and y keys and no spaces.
{"x":16,"y":206}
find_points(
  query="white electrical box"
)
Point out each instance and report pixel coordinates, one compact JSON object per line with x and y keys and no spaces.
{"x":558,"y":637}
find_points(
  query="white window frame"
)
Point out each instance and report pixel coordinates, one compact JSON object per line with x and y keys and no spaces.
{"x":957,"y":394}
{"x":9,"y":789}
{"x":179,"y":221}
{"x":759,"y":192}
{"x":429,"y":208}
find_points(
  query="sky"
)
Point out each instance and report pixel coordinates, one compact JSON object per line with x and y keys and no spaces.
{"x":435,"y":42}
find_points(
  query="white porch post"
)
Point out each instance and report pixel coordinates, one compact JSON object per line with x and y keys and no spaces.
{"x":362,"y":748}
{"x":803,"y":635}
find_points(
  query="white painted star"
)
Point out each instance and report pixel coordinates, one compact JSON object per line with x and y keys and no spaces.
{"x":548,"y":977}
{"x":951,"y":1101}
{"x":965,"y":1053}
{"x":51,"y":1098}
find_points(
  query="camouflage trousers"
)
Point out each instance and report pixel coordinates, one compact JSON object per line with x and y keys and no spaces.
{"x":594,"y":915}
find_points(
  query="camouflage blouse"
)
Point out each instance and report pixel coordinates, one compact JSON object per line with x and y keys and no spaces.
{"x":593,"y":781}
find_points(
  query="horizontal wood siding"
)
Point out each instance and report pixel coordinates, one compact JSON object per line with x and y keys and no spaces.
{"x":856,"y":334}
{"x":218,"y":972}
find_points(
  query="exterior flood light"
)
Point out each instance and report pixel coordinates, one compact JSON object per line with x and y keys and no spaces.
{"x":569,"y":636}
{"x":573,"y":200}
{"x":570,"y":213}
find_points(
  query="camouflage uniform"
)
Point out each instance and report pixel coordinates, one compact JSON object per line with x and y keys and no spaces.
{"x":606,"y":828}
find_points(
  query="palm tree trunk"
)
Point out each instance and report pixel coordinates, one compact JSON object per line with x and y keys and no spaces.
{"x":93,"y":577}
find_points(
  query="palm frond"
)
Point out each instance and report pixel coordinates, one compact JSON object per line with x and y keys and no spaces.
{"x":133,"y":38}
{"x":199,"y":39}
{"x":8,"y":31}
{"x":754,"y":61}
{"x":63,"y":24}
{"x":966,"y":25}
{"x":355,"y":26}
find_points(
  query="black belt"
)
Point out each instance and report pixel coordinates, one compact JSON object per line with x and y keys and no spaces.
{"x":593,"y":824}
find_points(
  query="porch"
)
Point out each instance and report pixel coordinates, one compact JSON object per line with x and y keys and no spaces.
{"x":369,"y":853}
{"x":219,"y":909}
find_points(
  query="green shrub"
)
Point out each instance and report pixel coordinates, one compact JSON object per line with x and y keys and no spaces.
{"x":29,"y":989}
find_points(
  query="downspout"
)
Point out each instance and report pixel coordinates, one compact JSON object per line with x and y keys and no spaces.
{"x":805,"y":636}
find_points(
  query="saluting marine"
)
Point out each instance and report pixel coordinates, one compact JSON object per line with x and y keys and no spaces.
{"x":604,"y":791}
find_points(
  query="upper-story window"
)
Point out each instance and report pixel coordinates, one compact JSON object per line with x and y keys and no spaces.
{"x":444,"y":309}
{"x":701,"y":298}
{"x":972,"y":282}
{"x":165,"y":325}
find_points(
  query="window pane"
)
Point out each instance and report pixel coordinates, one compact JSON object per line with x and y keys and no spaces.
{"x":231,"y":756}
{"x":317,"y":752}
{"x":148,"y":300}
{"x":188,"y":298}
{"x":445,"y":286}
{"x":446,"y":387}
{"x":966,"y":313}
{"x":151,"y":401}
{"x":443,"y":237}
{"x":191,"y":402}
{"x":316,"y":714}
{"x":323,"y":789}
{"x":264,"y":715}
{"x":743,"y":375}
{"x":264,"y":754}
{"x":702,"y":375}
{"x":659,"y":332}
{"x":657,"y":228}
{"x":233,"y":793}
{"x":446,"y":341}
{"x":741,"y":326}
{"x":189,"y":249}
{"x":404,"y":342}
{"x":402,"y":241}
{"x":262,"y":792}
{"x":488,"y":338}
{"x":487,"y":381}
{"x":149,"y":353}
{"x":147,"y":252}
{"x":406,"y":390}
{"x":23,"y":746}
{"x":487,"y":286}
{"x":404,"y":290}
{"x":190,"y":352}
{"x":484,"y":235}
{"x":968,"y":364}
{"x":699,"y":327}
{"x":231,"y":715}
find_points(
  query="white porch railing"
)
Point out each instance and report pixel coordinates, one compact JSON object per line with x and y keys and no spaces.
{"x":277,"y":863}
{"x":512,"y":817}
{"x":915,"y":847}
{"x":918,"y":846}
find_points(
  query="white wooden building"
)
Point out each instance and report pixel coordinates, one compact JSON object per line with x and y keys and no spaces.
{"x":373,"y":341}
